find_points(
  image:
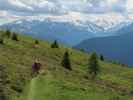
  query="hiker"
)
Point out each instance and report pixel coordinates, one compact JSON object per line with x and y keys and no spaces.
{"x":36,"y":67}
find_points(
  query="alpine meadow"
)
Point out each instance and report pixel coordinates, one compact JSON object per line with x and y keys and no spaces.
{"x":66,"y":50}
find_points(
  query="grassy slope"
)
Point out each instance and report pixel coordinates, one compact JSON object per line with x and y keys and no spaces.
{"x":56,"y":83}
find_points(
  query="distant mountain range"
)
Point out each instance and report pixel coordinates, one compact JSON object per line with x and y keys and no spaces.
{"x":109,"y":34}
{"x":119,"y":48}
{"x":61,"y":31}
{"x":70,"y":29}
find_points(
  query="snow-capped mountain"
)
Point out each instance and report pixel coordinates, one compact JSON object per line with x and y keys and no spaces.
{"x":70,"y":28}
{"x":104,"y":21}
{"x":113,"y":47}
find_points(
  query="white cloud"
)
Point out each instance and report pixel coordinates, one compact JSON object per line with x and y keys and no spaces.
{"x":23,"y":8}
{"x":18,"y":3}
{"x":112,"y":1}
{"x":59,"y":6}
{"x":129,"y":6}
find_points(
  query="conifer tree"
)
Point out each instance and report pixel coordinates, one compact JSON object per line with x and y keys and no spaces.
{"x":101,"y":57}
{"x":1,"y":41}
{"x":2,"y":38}
{"x":66,"y":61}
{"x":8,"y":33}
{"x":94,"y":65}
{"x":36,"y":42}
{"x":15,"y":37}
{"x":55,"y":44}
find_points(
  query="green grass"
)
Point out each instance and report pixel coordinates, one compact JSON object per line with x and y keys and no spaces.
{"x":55,"y":82}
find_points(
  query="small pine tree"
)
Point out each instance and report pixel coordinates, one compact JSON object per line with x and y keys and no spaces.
{"x":15,"y":37}
{"x":93,"y":65}
{"x":1,"y":41}
{"x":36,"y":42}
{"x":8,"y":33}
{"x":55,"y":45}
{"x":82,"y":50}
{"x":2,"y":38}
{"x":101,"y":57}
{"x":66,"y":61}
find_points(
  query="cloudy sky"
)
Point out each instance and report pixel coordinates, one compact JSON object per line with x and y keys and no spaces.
{"x":14,"y":9}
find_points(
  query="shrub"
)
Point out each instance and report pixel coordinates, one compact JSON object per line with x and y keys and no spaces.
{"x":115,"y":98}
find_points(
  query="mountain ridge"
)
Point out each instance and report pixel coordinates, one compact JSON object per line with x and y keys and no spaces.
{"x":68,"y":30}
{"x":117,"y":48}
